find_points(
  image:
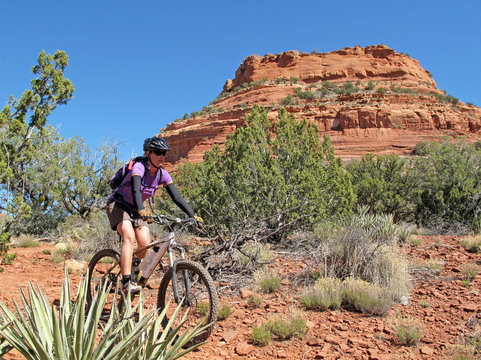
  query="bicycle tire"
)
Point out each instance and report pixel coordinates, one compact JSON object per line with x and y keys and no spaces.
{"x":202,"y":290}
{"x":100,"y":264}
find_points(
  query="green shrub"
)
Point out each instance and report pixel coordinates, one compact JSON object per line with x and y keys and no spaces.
{"x":407,"y":329}
{"x":370,"y":85}
{"x":260,"y":335}
{"x":264,"y":186}
{"x":415,"y":241}
{"x":348,"y":88}
{"x":8,"y":258}
{"x":304,"y":94}
{"x":223,"y":312}
{"x":381,"y":90}
{"x":325,"y":294}
{"x":286,"y":329}
{"x":383,"y":184}
{"x":366,"y":298}
{"x":267,"y":280}
{"x":288,"y":100}
{"x":254,"y":301}
{"x":451,"y":181}
{"x":203,"y":307}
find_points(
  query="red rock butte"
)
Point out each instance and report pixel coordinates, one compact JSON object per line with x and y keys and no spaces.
{"x":368,"y":100}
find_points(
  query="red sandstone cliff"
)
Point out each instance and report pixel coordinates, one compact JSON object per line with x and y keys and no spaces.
{"x":392,"y":103}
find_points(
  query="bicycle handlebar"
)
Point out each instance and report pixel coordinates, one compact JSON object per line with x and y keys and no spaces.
{"x":170,"y":221}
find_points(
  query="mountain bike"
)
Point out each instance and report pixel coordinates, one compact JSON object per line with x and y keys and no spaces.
{"x":186,"y":281}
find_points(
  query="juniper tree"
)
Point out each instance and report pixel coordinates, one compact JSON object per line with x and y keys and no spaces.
{"x":271,"y":177}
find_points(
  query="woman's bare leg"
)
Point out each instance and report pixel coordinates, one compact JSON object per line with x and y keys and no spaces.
{"x":127,"y":232}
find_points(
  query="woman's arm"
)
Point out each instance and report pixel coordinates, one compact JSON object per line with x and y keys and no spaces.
{"x":178,"y":199}
{"x":136,"y":192}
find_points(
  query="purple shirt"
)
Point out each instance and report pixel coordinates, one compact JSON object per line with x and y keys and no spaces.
{"x":148,"y":185}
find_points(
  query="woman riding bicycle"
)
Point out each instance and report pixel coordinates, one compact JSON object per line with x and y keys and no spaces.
{"x":125,"y":209}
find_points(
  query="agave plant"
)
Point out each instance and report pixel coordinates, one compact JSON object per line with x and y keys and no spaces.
{"x":43,"y":332}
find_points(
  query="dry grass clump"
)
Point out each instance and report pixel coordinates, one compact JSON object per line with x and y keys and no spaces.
{"x":470,"y":271}
{"x":461,"y":352}
{"x":367,"y":248}
{"x":366,"y":297}
{"x":471,"y":243}
{"x":407,"y":329}
{"x":280,"y":329}
{"x":354,"y":294}
{"x":255,"y":252}
{"x":267,"y":280}
{"x":325,"y":294}
{"x":26,"y":241}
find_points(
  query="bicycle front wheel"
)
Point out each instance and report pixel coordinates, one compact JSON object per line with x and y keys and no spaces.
{"x":104,"y":270}
{"x":198,"y":296}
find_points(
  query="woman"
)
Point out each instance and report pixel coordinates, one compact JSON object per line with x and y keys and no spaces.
{"x":125,"y":209}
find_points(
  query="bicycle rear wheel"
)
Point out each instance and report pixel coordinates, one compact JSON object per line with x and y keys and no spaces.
{"x":198,"y":295}
{"x":102,"y":270}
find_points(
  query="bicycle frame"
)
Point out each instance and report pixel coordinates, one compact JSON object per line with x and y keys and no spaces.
{"x":165,"y":244}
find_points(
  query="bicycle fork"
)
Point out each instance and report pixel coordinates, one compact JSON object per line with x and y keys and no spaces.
{"x":186,"y":298}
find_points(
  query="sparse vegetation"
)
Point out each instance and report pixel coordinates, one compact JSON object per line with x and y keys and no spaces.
{"x":254,"y":301}
{"x":325,"y":294}
{"x":366,"y":248}
{"x":260,"y":335}
{"x":288,"y":100}
{"x":415,"y":241}
{"x":26,"y":241}
{"x":408,"y":330}
{"x":470,"y":271}
{"x":224,"y":312}
{"x":295,"y":325}
{"x":461,"y":352}
{"x":367,"y":298}
{"x":8,"y":258}
{"x":471,"y":243}
{"x":267,"y":280}
{"x":258,"y":253}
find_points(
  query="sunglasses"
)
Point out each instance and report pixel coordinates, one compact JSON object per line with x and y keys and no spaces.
{"x":160,"y":152}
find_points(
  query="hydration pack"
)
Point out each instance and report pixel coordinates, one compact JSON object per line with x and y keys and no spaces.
{"x":121,"y":173}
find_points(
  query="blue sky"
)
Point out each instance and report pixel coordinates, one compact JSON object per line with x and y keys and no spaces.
{"x":137,"y":66}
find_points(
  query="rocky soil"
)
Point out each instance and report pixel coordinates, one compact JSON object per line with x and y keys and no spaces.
{"x":441,"y":302}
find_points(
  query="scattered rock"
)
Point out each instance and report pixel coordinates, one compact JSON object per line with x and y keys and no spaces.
{"x":426,"y":350}
{"x":244,"y":349}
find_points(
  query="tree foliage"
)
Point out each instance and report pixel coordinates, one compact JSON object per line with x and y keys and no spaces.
{"x":449,"y":192}
{"x":19,"y":120}
{"x":270,"y":178}
{"x":384,"y":184}
{"x":44,"y":177}
{"x":439,"y":188}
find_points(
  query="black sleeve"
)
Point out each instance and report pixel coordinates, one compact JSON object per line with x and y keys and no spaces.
{"x":136,"y":192}
{"x":179,"y":200}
